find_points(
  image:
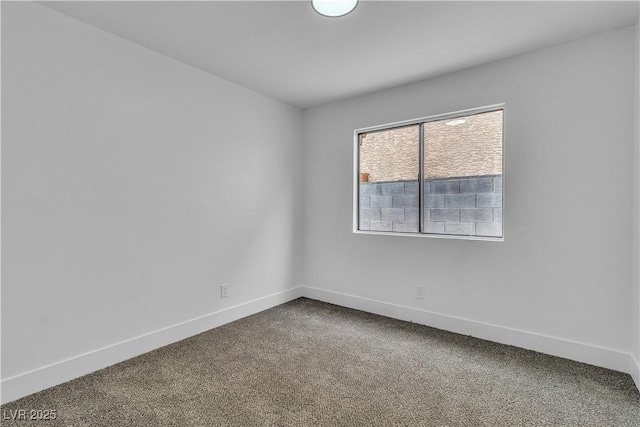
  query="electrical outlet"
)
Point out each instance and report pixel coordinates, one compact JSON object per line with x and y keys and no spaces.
{"x":420,"y":292}
{"x":224,"y":290}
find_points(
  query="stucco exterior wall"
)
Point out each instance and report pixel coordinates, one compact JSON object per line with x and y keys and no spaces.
{"x":472,"y":148}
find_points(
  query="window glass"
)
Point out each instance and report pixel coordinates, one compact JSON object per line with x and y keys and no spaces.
{"x":463,"y":175}
{"x":457,"y":161}
{"x":389,"y":166}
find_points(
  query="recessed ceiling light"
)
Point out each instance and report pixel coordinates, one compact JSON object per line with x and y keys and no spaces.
{"x":333,"y":8}
{"x":455,"y":122}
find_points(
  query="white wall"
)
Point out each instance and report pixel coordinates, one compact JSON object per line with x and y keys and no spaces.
{"x":133,"y":185}
{"x":635,"y":300}
{"x":561,"y":280}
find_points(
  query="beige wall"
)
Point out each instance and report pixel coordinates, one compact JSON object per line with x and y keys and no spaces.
{"x":390,"y":155}
{"x":471,"y":148}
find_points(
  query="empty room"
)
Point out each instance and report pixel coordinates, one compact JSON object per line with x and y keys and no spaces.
{"x":320,"y":213}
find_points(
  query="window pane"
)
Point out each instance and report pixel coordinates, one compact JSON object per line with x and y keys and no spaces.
{"x":389,"y":180}
{"x":463,"y":175}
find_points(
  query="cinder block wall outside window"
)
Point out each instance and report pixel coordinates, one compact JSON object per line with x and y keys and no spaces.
{"x":461,"y":206}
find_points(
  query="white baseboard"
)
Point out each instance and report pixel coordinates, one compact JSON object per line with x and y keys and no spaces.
{"x":634,"y":370}
{"x":593,"y":355}
{"x":57,"y":373}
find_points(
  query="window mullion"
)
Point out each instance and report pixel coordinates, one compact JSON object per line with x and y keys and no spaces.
{"x":421,"y":179}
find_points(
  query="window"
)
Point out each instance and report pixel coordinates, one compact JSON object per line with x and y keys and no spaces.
{"x":439,"y":175}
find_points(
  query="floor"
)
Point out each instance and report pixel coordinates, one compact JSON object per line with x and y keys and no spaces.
{"x":312,"y":363}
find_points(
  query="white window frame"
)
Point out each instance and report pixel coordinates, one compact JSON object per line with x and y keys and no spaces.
{"x":419,"y":122}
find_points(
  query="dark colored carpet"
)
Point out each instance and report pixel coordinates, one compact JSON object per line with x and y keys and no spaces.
{"x":311,"y":363}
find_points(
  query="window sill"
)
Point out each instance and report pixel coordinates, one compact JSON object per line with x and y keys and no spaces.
{"x":431,"y":236}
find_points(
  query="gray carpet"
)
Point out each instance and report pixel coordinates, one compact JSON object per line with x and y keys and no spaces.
{"x":311,"y":363}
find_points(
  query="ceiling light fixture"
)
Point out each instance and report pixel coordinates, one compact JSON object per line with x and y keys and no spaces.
{"x":455,"y":122}
{"x":333,"y":8}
